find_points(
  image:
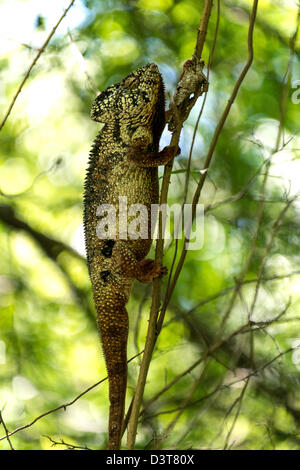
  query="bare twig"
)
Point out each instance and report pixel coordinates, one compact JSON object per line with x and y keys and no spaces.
{"x":266,"y":27}
{"x":63,"y":406}
{"x":186,"y":400}
{"x":41,"y":50}
{"x":68,"y":446}
{"x":230,"y":384}
{"x":275,"y":228}
{"x":226,"y":291}
{"x":202,"y":29}
{"x":6,"y":431}
{"x":239,"y":401}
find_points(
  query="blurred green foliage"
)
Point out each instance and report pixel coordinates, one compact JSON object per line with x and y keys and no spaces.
{"x":49,"y":346}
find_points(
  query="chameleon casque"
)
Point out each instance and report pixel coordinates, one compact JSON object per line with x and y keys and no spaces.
{"x":123,"y":162}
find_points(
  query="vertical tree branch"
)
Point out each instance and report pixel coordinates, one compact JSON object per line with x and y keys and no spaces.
{"x":152,"y":331}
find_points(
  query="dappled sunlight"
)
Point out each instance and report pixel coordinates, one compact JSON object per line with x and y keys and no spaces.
{"x":229,"y":342}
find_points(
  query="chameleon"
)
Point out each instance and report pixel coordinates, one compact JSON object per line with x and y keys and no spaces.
{"x":123,"y":162}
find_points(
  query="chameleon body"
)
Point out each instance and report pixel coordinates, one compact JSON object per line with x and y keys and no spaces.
{"x":123,"y":162}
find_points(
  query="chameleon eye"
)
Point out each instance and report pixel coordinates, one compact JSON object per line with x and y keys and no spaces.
{"x":131,"y":82}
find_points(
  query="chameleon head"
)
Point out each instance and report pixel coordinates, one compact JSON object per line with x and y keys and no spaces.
{"x":134,"y":99}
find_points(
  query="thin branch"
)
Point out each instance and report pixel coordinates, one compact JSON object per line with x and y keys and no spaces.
{"x":240,"y":194}
{"x":63,"y":406}
{"x":41,"y":50}
{"x":275,"y":228}
{"x":68,"y":446}
{"x":6,"y":431}
{"x":230,"y":384}
{"x":202,"y":29}
{"x":246,"y":328}
{"x":226,"y":291}
{"x":239,"y":401}
{"x":266,"y":27}
{"x":186,"y":400}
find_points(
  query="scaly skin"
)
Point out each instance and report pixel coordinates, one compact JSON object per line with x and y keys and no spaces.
{"x":123,"y":162}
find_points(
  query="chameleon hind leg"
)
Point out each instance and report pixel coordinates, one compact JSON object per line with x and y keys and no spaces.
{"x":145,"y":270}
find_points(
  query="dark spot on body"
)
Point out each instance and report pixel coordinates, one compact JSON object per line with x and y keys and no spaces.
{"x":107,"y":248}
{"x":105,"y":275}
{"x":145,"y":96}
{"x":116,"y":132}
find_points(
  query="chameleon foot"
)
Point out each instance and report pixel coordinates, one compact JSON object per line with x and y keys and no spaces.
{"x":151,"y":270}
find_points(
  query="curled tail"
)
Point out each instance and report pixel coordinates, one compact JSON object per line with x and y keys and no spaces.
{"x":113,"y":325}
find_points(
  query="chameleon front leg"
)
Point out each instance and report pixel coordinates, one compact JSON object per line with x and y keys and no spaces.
{"x":138,"y":157}
{"x":140,"y":153}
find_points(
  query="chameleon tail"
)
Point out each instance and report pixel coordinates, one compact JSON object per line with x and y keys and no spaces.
{"x":113,"y":325}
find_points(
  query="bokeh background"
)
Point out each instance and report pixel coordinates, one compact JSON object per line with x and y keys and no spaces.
{"x":246,"y":394}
